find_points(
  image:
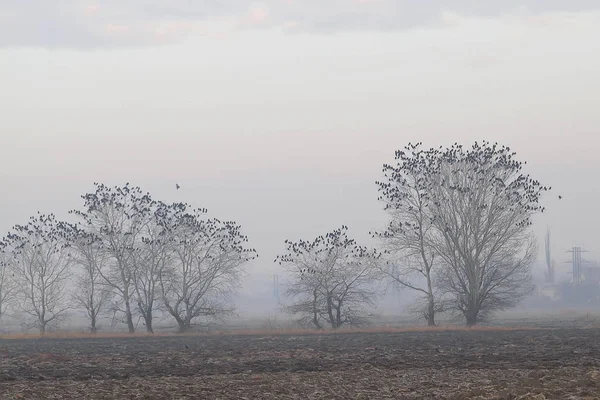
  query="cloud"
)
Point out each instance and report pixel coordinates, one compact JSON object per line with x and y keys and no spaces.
{"x":113,"y":23}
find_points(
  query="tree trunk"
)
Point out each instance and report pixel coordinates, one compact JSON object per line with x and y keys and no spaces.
{"x":93,"y":329}
{"x":183,"y":327}
{"x":330,"y":312}
{"x":148,"y":320}
{"x":129,"y":317}
{"x":180,"y":322}
{"x":42,"y":327}
{"x":338,"y":315}
{"x":127,"y":299}
{"x":431,"y":312}
{"x":430,"y":301}
{"x":472,"y":311}
{"x":471,"y":317}
{"x":316,"y":311}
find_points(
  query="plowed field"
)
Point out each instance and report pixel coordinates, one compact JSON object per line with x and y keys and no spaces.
{"x":509,"y":364}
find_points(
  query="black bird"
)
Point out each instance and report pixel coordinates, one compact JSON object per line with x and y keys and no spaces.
{"x":177,"y":186}
{"x":559,"y":197}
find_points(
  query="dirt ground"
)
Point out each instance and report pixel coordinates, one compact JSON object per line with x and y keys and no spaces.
{"x":521,"y":364}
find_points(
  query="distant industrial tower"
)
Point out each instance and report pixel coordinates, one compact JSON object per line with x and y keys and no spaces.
{"x":576,"y":264}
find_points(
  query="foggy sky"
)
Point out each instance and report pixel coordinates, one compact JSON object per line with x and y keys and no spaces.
{"x":112,"y":23}
{"x":279,"y":114}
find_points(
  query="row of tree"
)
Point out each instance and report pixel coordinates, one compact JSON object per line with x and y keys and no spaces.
{"x":127,"y":254}
{"x":459,"y":235}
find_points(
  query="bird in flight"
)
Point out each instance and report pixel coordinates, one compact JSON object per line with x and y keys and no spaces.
{"x":177,"y":186}
{"x":559,"y":197}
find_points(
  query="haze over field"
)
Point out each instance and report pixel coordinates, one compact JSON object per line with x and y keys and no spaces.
{"x":279,"y":114}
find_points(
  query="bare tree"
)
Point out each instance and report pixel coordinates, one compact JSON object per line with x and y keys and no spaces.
{"x":91,"y":260}
{"x":332,"y":280}
{"x":7,"y":284}
{"x":41,"y":268}
{"x":307,"y":300}
{"x":482,"y":205}
{"x":152,"y":256}
{"x":116,"y":217}
{"x":405,"y":194}
{"x":206,"y":266}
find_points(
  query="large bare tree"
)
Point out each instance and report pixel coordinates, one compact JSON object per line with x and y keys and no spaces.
{"x":332,"y":280}
{"x":41,"y":268}
{"x":90,"y":260}
{"x":406,"y":197}
{"x":205,"y":268}
{"x":116,"y":216}
{"x":482,"y":204}
{"x":153,"y":254}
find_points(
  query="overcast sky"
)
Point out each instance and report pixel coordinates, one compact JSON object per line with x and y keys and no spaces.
{"x":279,"y":114}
